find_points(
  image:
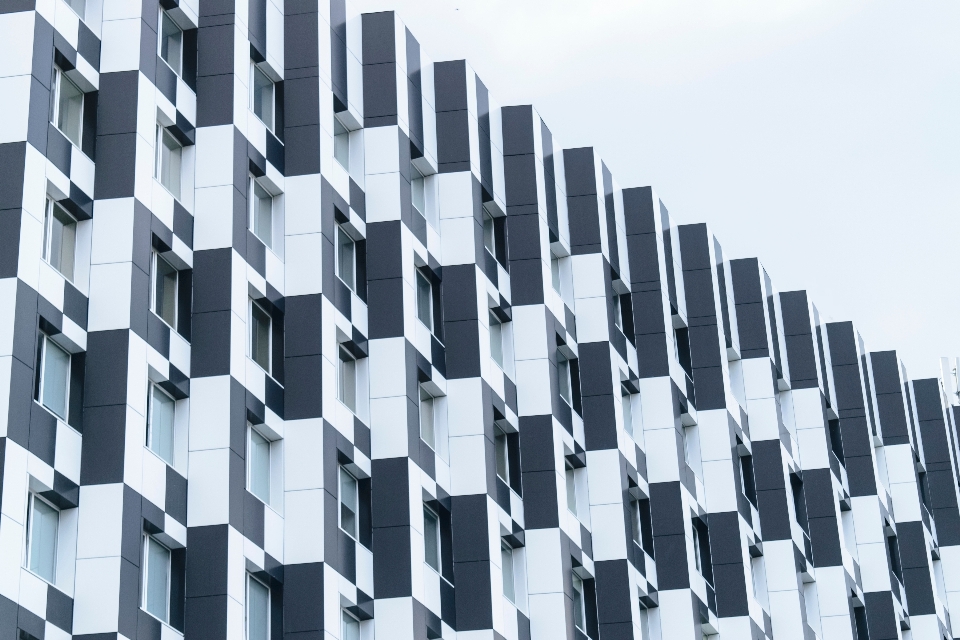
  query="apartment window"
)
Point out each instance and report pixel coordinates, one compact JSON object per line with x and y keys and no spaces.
{"x":349,"y":496}
{"x":502,"y":451}
{"x":636,"y":521}
{"x":431,"y":538}
{"x":258,"y":462}
{"x":555,"y":272}
{"x":570,"y":475}
{"x":626,"y":401}
{"x":79,"y":7}
{"x":160,"y":423}
{"x":417,"y":191}
{"x":346,"y":259}
{"x":261,"y":95}
{"x":424,"y":300}
{"x":260,"y":336}
{"x":171,"y":42}
{"x":164,"y":290}
{"x":167,"y":161}
{"x":261,"y":212}
{"x":579,"y":615}
{"x":496,"y":340}
{"x":748,"y":480}
{"x":349,"y":627}
{"x":156,"y":579}
{"x":59,"y":238}
{"x":563,"y":371}
{"x":67,"y":106}
{"x":489,"y":234}
{"x":54,"y":367}
{"x":509,"y":579}
{"x":428,"y":424}
{"x":347,"y":380}
{"x":341,"y":143}
{"x":258,"y":609}
{"x":617,"y":312}
{"x":43,"y":525}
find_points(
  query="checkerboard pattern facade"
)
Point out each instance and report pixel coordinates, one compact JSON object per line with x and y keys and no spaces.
{"x":304,"y":337}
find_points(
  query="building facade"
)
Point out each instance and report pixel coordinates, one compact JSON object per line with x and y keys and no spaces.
{"x":303,"y":336}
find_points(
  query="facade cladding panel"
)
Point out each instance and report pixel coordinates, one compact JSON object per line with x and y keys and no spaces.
{"x":304,"y":336}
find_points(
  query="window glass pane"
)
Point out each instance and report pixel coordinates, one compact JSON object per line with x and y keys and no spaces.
{"x":578,"y":602}
{"x":263,"y":97}
{"x":69,"y":109}
{"x":341,"y":144}
{"x":617,"y":313}
{"x":259,"y":466}
{"x":431,"y":539}
{"x":157,"y":579}
{"x":56,"y":371}
{"x":162,"y":411}
{"x":489,"y":237}
{"x":258,"y":610}
{"x":627,"y":412}
{"x":563,"y":371}
{"x":79,"y":6}
{"x":348,"y":502}
{"x":347,"y":387}
{"x":555,"y":272}
{"x":62,"y":237}
{"x":262,"y":214}
{"x":496,"y":341}
{"x":44,"y":523}
{"x":635,"y":522}
{"x":571,"y":479}
{"x":171,"y":38}
{"x":427,"y":427}
{"x":417,"y":192}
{"x":260,"y":337}
{"x":349,"y":628}
{"x":170,"y":152}
{"x":506,"y":563}
{"x":165,"y":291}
{"x":424,"y":302}
{"x":345,"y":258}
{"x":503,"y":461}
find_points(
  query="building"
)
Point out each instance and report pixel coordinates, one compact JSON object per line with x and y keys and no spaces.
{"x":305,"y":337}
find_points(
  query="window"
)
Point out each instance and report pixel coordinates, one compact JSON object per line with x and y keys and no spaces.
{"x":164,"y":290}
{"x":67,"y":106}
{"x":348,"y":503}
{"x":349,"y":627}
{"x":424,"y":300}
{"x":506,"y":564}
{"x":555,"y":272}
{"x":428,"y":426}
{"x":171,"y":42}
{"x":747,"y":479}
{"x":59,"y":238}
{"x":43,"y":525}
{"x":626,"y":400}
{"x":347,"y":380}
{"x":431,"y":539}
{"x":261,"y":212}
{"x":571,"y":478}
{"x":161,"y":412}
{"x":167,"y":162}
{"x":258,"y":609}
{"x":563,"y":371}
{"x":578,"y":613}
{"x":341,"y":143}
{"x":496,"y":340}
{"x":260,"y":336}
{"x":617,"y":312}
{"x":258,"y":458}
{"x":261,"y":95}
{"x":502,"y":451}
{"x":54,"y":377}
{"x":155,"y":589}
{"x":346,"y":259}
{"x":79,"y":7}
{"x":636,"y":521}
{"x":489,"y":233}
{"x":696,"y":548}
{"x":417,"y":191}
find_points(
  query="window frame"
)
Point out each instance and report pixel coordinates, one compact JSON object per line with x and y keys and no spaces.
{"x":496,"y":340}
{"x":570,"y":480}
{"x":355,"y":508}
{"x":423,"y":284}
{"x":158,"y":164}
{"x":151,"y":413}
{"x":253,"y":432}
{"x":160,"y":38}
{"x":347,"y":369}
{"x":59,"y":77}
{"x":345,"y":239}
{"x":564,"y":379}
{"x":501,"y":451}
{"x":145,"y":578}
{"x":341,"y":143}
{"x":246,"y":607}
{"x":47,"y":253}
{"x":32,"y":497}
{"x":556,"y":277}
{"x":506,"y":551}
{"x":418,"y":185}
{"x":428,"y":406}
{"x":41,"y":391}
{"x":254,"y":70}
{"x":626,"y":406}
{"x":154,"y":272}
{"x":254,"y":213}
{"x":344,"y":617}
{"x":579,"y":602}
{"x":256,"y":305}
{"x":617,"y":311}
{"x":489,"y":233}
{"x":429,"y":513}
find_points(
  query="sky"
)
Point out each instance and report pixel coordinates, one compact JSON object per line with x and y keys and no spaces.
{"x":821,"y":136}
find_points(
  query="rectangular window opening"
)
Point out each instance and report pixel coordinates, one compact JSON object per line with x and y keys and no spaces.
{"x":259,"y":465}
{"x":262,"y":95}
{"x":67,"y":106}
{"x":346,"y":259}
{"x":431,"y":538}
{"x":164,"y":290}
{"x":171,"y":42}
{"x":349,"y":496}
{"x":156,"y":579}
{"x":260,"y":336}
{"x":428,"y":427}
{"x":509,"y":579}
{"x":43,"y":528}
{"x":341,"y":144}
{"x":496,"y":340}
{"x":168,"y":161}
{"x":424,"y":300}
{"x":347,"y":380}
{"x":54,"y":377}
{"x":261,"y":212}
{"x":59,"y":239}
{"x":160,"y":424}
{"x":258,"y":609}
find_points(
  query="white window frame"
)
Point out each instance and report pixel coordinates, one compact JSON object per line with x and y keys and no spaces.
{"x":347,"y":373}
{"x":252,"y":434}
{"x":579,"y":610}
{"x":347,"y":620}
{"x":253,"y":201}
{"x":49,"y":215}
{"x":151,"y":412}
{"x":255,"y":305}
{"x":246,"y":608}
{"x":44,"y":378}
{"x":58,"y":78}
{"x":496,"y":340}
{"x":254,"y":70}
{"x":423,"y":284}
{"x":32,"y":497}
{"x":345,"y":239}
{"x":145,"y":574}
{"x":162,"y":135}
{"x":626,"y":405}
{"x":355,"y":508}
{"x":501,"y":449}
{"x":429,"y":513}
{"x":508,"y":573}
{"x":154,"y":301}
{"x":160,"y":37}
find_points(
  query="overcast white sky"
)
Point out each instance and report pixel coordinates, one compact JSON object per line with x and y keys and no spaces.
{"x":821,"y":136}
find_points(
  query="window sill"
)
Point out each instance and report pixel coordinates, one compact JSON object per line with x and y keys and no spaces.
{"x":179,"y":76}
{"x":39,"y":577}
{"x":353,"y":290}
{"x":50,"y":411}
{"x":172,"y":328}
{"x":348,"y":534}
{"x":61,"y":131}
{"x":60,"y":273}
